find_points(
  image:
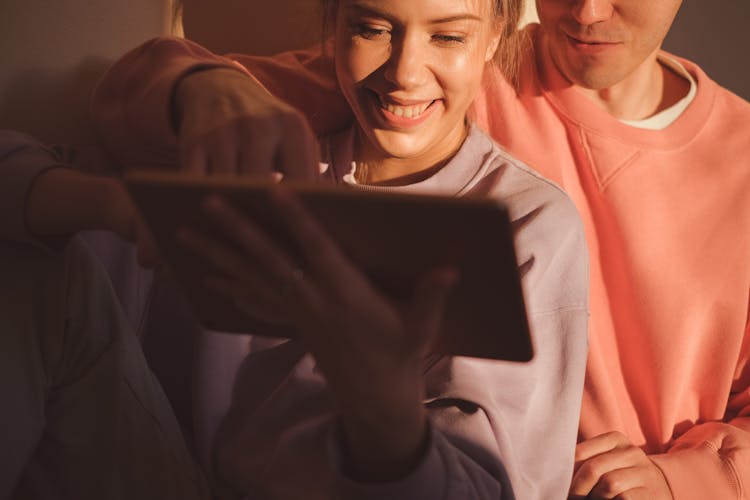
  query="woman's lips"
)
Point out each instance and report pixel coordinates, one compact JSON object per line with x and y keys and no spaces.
{"x":404,"y":113}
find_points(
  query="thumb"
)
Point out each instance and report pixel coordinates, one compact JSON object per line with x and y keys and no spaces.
{"x":425,"y":314}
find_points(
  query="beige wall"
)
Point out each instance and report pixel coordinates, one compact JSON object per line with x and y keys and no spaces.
{"x":716,"y":35}
{"x":53,"y":52}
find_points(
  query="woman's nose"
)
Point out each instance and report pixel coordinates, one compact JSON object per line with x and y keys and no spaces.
{"x":407,"y":65}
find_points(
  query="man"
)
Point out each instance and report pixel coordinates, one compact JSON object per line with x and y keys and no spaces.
{"x":655,"y":156}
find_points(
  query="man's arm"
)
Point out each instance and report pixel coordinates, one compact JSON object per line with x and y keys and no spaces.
{"x":710,"y":460}
{"x":141,"y":104}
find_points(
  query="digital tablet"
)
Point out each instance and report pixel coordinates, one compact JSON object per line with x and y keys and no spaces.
{"x":393,"y":238}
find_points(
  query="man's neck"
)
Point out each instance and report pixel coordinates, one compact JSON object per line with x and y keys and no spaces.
{"x":647,"y":91}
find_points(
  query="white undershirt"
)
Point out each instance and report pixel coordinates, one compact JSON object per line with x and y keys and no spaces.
{"x":664,"y":118}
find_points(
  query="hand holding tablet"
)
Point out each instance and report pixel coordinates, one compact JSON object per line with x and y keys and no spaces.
{"x":393,"y":239}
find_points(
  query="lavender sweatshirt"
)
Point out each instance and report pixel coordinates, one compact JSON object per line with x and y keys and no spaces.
{"x":498,"y":429}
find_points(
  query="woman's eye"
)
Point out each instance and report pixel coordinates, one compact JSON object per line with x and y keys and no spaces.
{"x":371,"y":32}
{"x":449,"y":39}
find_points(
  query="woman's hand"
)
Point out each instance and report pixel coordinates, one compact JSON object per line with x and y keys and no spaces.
{"x":370,"y":350}
{"x":228,"y":123}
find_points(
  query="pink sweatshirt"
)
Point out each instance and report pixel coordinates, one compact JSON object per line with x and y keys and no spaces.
{"x":667,"y":220}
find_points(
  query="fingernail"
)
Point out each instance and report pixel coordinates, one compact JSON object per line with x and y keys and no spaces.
{"x":276,"y":177}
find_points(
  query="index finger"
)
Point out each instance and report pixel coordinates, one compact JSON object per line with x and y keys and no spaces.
{"x":598,"y":445}
{"x":298,"y":151}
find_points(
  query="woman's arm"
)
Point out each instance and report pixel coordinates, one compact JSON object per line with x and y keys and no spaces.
{"x":489,"y":427}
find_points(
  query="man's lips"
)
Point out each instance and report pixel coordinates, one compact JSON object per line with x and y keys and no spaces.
{"x":590,"y":44}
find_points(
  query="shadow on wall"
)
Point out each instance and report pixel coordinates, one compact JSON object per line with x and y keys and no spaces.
{"x":253,"y":27}
{"x":40,"y":101}
{"x":53,"y":52}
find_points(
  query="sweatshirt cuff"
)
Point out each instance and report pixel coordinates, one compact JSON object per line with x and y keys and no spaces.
{"x":196,"y":68}
{"x":698,"y":473}
{"x":130,"y":106}
{"x":426,"y":481}
{"x":20,"y":165}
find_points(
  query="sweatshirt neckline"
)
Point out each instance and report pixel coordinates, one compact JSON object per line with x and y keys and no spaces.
{"x":451,"y":180}
{"x":581,"y":110}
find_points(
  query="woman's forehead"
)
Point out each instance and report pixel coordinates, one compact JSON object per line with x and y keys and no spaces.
{"x":424,"y":9}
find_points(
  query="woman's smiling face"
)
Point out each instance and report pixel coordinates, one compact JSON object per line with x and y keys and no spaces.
{"x":410,"y":70}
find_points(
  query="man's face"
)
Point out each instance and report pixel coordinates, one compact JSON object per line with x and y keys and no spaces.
{"x":599,"y":43}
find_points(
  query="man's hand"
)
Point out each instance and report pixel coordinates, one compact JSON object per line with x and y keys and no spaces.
{"x":610,"y":466}
{"x":227,"y":123}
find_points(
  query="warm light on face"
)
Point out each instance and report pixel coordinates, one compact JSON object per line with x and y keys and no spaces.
{"x":599,"y":43}
{"x":410,"y":70}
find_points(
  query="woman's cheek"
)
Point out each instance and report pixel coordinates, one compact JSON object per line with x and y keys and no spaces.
{"x":461,"y":73}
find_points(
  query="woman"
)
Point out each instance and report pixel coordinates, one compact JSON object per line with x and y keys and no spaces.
{"x":351,"y":412}
{"x":349,"y":409}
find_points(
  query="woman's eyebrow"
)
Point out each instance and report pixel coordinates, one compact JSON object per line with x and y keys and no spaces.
{"x":456,"y":17}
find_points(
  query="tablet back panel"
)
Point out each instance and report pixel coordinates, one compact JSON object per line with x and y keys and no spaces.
{"x":393,"y":238}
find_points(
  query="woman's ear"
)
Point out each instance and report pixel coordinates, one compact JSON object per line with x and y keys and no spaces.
{"x":495,"y":36}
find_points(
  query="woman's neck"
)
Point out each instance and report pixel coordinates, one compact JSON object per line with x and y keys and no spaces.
{"x":375,"y":167}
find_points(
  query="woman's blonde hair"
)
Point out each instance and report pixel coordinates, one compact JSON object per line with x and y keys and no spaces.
{"x":512,"y":40}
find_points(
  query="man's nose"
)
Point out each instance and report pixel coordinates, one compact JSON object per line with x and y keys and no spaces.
{"x":588,"y":12}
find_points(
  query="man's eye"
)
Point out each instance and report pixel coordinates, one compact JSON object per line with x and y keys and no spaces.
{"x":449,"y":39}
{"x":372,"y":32}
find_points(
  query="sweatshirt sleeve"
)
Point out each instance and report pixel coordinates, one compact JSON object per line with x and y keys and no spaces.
{"x":508,"y":430}
{"x":712,"y":459}
{"x":22,"y":160}
{"x":131,"y":105}
{"x":499,"y":430}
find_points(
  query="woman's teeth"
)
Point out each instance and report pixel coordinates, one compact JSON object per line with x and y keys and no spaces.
{"x":407,"y":111}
